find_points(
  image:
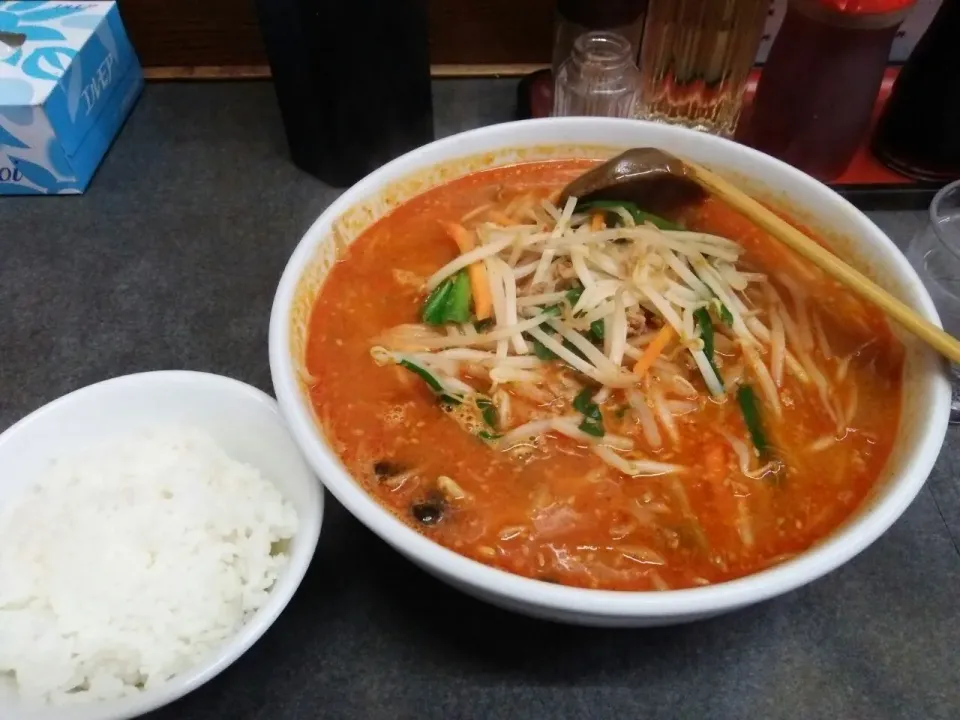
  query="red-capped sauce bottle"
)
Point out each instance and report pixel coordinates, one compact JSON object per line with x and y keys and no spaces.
{"x":818,"y":87}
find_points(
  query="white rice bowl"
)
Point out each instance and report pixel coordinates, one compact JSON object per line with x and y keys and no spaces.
{"x":178,"y":634}
{"x":125,"y":566}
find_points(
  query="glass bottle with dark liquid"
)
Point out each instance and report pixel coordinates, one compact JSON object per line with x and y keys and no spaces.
{"x":352,"y":79}
{"x":816,"y":94}
{"x":918,"y":134}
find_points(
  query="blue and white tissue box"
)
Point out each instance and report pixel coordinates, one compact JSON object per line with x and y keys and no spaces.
{"x":68,"y":80}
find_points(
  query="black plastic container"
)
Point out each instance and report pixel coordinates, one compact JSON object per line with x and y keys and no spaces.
{"x":352,"y":79}
{"x":918,"y":134}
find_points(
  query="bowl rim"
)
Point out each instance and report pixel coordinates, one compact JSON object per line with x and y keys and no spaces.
{"x":815,"y":562}
{"x":250,"y":632}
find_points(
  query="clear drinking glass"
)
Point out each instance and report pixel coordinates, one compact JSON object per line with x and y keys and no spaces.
{"x":935,"y":254}
{"x":695,"y":58}
{"x":599,"y":78}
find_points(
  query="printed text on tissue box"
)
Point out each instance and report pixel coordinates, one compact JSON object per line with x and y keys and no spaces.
{"x":11,"y":174}
{"x":100,"y":82}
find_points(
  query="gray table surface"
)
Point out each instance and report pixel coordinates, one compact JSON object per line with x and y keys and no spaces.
{"x":171,"y":260}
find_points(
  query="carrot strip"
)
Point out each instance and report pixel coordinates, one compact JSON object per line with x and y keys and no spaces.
{"x":461,"y":236}
{"x":482,"y":299}
{"x":479,"y":284}
{"x":597,"y":222}
{"x":653,"y":350}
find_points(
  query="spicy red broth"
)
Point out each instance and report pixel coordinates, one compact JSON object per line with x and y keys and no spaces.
{"x":655,"y":480}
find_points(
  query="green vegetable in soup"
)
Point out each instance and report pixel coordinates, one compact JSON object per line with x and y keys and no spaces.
{"x":449,"y":302}
{"x":592,"y":418}
{"x":458,"y":304}
{"x":542,"y":351}
{"x":702,"y":318}
{"x":751,"y":417}
{"x":432,"y":383}
{"x":726,"y":317}
{"x":433,"y":308}
{"x":488,"y":410}
{"x":573,"y":294}
{"x":596,"y":330}
{"x":545,"y":353}
{"x":639,"y":216}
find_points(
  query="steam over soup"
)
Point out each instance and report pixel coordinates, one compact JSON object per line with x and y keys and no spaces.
{"x":594,"y":396}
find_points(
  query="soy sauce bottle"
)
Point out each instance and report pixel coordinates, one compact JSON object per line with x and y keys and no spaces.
{"x":816,"y":93}
{"x":918,"y":134}
{"x":352,"y":79}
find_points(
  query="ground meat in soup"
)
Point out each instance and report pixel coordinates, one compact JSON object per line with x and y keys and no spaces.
{"x":721,"y":458}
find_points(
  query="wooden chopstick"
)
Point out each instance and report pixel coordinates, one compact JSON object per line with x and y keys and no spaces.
{"x":836,"y":268}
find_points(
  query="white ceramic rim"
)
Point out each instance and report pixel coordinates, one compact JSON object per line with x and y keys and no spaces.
{"x":259,"y":623}
{"x":711,"y":599}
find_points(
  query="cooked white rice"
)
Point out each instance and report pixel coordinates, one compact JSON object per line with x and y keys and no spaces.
{"x":123,"y":566}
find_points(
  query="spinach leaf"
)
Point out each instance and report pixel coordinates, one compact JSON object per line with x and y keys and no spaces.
{"x":433,"y":308}
{"x":457,"y":308}
{"x":449,"y":302}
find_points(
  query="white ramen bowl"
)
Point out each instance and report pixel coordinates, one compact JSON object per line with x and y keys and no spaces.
{"x":926,"y":391}
{"x":244,"y":421}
